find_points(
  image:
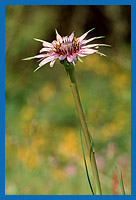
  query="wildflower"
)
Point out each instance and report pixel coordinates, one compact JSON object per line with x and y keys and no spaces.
{"x":68,"y":49}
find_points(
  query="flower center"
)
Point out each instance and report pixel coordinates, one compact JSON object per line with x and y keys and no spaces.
{"x":66,"y":46}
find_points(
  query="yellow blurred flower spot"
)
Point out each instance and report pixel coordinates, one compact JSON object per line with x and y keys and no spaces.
{"x":120,"y":83}
{"x":110,"y":130}
{"x":25,"y":126}
{"x":69,"y":144}
{"x":58,"y":174}
{"x":47,"y":92}
{"x":7,"y":143}
{"x":39,"y":141}
{"x":27,"y":113}
{"x":120,"y":80}
{"x":96,"y":64}
{"x":29,"y":157}
{"x":115,"y":127}
{"x":68,"y":100}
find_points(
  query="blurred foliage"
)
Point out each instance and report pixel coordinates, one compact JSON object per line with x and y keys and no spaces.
{"x":42,"y":139}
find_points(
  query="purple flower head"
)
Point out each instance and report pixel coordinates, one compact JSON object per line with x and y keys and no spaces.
{"x":68,"y":49}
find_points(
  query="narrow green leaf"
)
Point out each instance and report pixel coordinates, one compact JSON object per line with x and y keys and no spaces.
{"x":92,"y":142}
{"x":120,"y":182}
{"x":87,"y":173}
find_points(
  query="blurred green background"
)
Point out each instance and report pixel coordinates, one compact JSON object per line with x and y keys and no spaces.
{"x":42,"y":139}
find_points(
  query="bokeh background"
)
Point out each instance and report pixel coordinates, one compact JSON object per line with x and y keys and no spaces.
{"x":42,"y":139}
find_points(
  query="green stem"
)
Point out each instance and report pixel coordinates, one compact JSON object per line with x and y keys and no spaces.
{"x":71,"y":72}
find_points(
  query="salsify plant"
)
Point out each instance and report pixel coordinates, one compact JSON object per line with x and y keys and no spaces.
{"x":69,"y":50}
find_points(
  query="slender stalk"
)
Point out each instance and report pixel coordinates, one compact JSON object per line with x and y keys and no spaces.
{"x":71,"y":72}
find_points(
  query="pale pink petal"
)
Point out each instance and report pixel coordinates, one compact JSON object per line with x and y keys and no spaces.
{"x":46,"y":60}
{"x":70,"y":58}
{"x":54,"y":43}
{"x":45,"y":49}
{"x":45,"y":55}
{"x":74,"y":57}
{"x":71,"y":36}
{"x":81,"y":55}
{"x":83,"y":36}
{"x":40,"y":60}
{"x":52,"y":63}
{"x":86,"y":41}
{"x":59,"y":38}
{"x":65,"y":39}
{"x":90,"y":46}
{"x":88,"y":51}
{"x":41,"y":55}
{"x":47,"y":44}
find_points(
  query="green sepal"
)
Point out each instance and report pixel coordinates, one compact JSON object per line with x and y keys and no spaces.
{"x":56,"y":31}
{"x":67,"y":64}
{"x":104,"y":45}
{"x":73,"y":63}
{"x":99,"y":37}
{"x":80,"y":59}
{"x":38,"y":68}
{"x":101,"y":54}
{"x":30,"y":58}
{"x":91,"y":30}
{"x":38,"y":40}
